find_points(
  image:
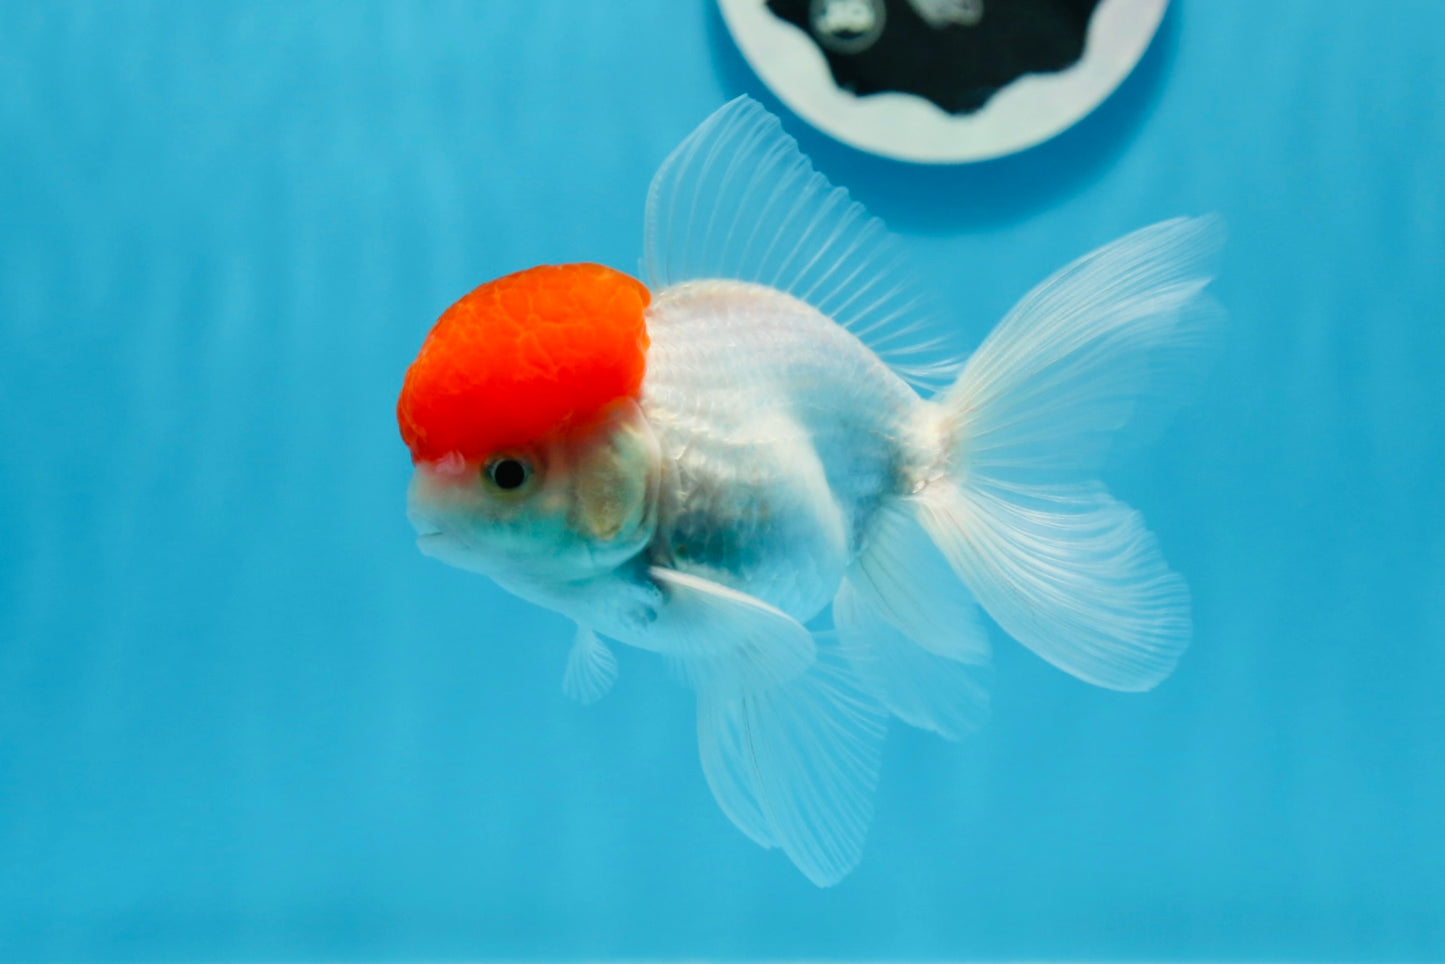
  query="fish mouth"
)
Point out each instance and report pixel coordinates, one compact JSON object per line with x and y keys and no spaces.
{"x":429,"y":536}
{"x":445,"y":547}
{"x":431,"y":540}
{"x":423,"y":526}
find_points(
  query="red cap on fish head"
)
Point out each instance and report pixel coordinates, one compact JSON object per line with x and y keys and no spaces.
{"x":522,"y":357}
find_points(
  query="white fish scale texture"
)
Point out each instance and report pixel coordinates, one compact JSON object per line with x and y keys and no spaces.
{"x":780,"y":430}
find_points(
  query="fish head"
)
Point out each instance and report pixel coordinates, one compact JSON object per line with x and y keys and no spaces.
{"x":564,"y":509}
{"x":533,"y":461}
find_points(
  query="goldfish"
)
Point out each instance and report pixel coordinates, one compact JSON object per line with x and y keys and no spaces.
{"x":729,"y":466}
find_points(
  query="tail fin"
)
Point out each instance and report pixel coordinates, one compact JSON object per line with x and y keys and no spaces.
{"x":1063,"y":567}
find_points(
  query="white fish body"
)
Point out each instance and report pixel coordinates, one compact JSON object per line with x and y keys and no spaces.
{"x":780,"y":433}
{"x":798,"y":474}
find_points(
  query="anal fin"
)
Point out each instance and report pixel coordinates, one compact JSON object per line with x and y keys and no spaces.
{"x":913,"y":631}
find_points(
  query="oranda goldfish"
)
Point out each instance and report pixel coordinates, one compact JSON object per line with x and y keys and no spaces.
{"x":717,"y":467}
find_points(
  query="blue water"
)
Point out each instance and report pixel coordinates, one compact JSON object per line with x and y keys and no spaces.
{"x":241,"y":718}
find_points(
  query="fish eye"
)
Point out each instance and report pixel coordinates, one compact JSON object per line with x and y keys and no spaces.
{"x":508,"y":472}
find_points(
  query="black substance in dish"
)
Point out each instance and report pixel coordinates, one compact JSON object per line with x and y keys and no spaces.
{"x":970,"y":50}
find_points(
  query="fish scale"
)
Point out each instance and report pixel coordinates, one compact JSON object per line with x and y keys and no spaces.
{"x":741,"y":380}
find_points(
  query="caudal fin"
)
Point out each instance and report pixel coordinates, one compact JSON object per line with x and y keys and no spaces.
{"x":1063,"y":567}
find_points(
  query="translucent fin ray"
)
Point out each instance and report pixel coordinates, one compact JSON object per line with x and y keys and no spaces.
{"x":591,"y":668}
{"x":919,"y":687}
{"x":724,"y":746}
{"x":912,"y":630}
{"x":1050,"y":388}
{"x":737,"y":199}
{"x":795,"y":766}
{"x":1072,"y":574}
{"x":723,"y":641}
{"x":1063,"y":567}
{"x":901,"y":575}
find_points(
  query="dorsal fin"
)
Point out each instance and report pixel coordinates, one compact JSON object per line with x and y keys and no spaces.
{"x":737,"y":199}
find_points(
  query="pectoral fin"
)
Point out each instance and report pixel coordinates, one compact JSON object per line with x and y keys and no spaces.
{"x":591,"y":668}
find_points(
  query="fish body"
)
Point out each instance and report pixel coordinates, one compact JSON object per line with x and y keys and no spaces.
{"x":724,"y":467}
{"x":780,"y":432}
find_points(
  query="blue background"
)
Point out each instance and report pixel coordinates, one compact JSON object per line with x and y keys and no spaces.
{"x":241,"y":718}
